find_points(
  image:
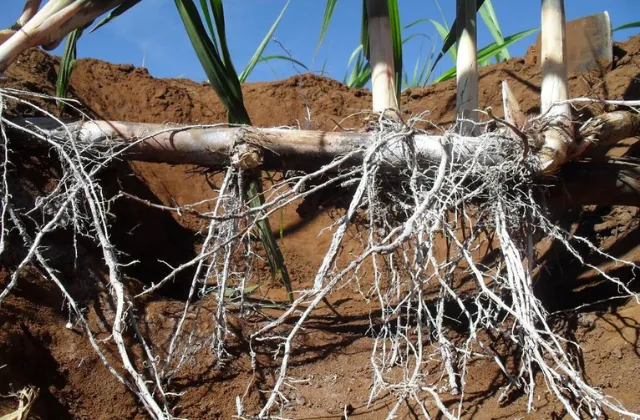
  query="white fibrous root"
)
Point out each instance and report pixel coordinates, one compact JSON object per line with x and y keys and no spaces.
{"x":428,"y":226}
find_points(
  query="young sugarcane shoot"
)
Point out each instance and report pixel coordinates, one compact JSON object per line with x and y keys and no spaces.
{"x":558,"y":135}
{"x":383,"y":87}
{"x":467,"y":67}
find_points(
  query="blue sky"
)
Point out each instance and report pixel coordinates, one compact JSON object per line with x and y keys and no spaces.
{"x":153,"y":30}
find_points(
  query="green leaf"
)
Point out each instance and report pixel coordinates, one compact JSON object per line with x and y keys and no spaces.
{"x":237,"y":293}
{"x":421,"y":72}
{"x":67,"y":63}
{"x":256,"y":55}
{"x":628,"y":26}
{"x":284,"y":58}
{"x":442,"y":31}
{"x":220,"y":73}
{"x":396,"y":41}
{"x":364,"y":30}
{"x":326,"y":19}
{"x":213,"y":52}
{"x":361,"y":72}
{"x":274,"y":254}
{"x":452,"y":36}
{"x":489,"y":51}
{"x":128,"y":4}
{"x":221,"y":32}
{"x":207,"y":17}
{"x":488,"y":14}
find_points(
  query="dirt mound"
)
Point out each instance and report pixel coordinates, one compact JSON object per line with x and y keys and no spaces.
{"x":36,"y":348}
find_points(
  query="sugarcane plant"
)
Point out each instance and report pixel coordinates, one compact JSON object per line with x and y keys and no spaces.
{"x":383,"y":48}
{"x":409,"y":188}
{"x":466,"y":65}
{"x":359,"y":70}
{"x":213,"y":52}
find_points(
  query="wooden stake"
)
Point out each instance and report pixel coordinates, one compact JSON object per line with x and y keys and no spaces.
{"x":381,"y":57}
{"x":467,"y":66}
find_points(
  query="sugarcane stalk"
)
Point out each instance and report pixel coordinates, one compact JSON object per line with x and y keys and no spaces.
{"x":271,"y":148}
{"x":467,"y":66}
{"x":277,"y":148}
{"x":252,"y":148}
{"x":51,"y":24}
{"x":30,"y":9}
{"x":383,"y":86}
{"x":558,"y":135}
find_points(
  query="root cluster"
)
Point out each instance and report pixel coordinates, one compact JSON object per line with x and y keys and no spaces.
{"x":428,"y":232}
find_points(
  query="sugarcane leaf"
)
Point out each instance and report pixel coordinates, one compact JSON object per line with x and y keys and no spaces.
{"x":221,"y":32}
{"x":120,"y":9}
{"x":488,"y":51}
{"x":488,"y":14}
{"x":628,"y":26}
{"x":493,"y":48}
{"x":283,"y":58}
{"x":223,"y":78}
{"x":326,"y":20}
{"x":442,"y":31}
{"x":67,"y":64}
{"x":207,"y":17}
{"x":256,"y":55}
{"x":364,"y":30}
{"x":360,"y":74}
{"x":396,"y":42}
{"x":214,"y":56}
{"x":452,"y":36}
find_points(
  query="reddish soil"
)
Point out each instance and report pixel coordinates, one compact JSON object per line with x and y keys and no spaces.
{"x":36,"y":348}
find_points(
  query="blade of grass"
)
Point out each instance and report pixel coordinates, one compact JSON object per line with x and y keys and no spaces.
{"x":217,"y":64}
{"x":221,"y":32}
{"x":207,"y":17}
{"x":284,"y":58}
{"x":442,"y":31}
{"x":274,"y":254}
{"x":421,"y":73}
{"x":396,"y":41}
{"x":489,"y":51}
{"x":451,"y":37}
{"x":222,"y":77}
{"x":326,"y":19}
{"x":488,"y":14}
{"x":67,"y":63}
{"x":364,"y":30}
{"x":324,"y":67}
{"x":628,"y":26}
{"x":444,"y":19}
{"x":115,"y":13}
{"x":361,"y":72}
{"x":256,"y":55}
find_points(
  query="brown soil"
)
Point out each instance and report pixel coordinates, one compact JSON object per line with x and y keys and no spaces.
{"x":36,"y":348}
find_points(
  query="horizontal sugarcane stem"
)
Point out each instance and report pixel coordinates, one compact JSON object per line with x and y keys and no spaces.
{"x":277,"y":148}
